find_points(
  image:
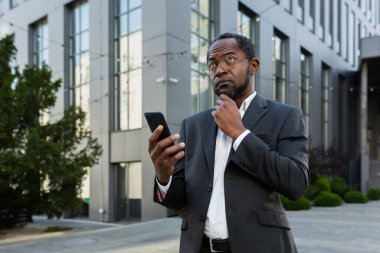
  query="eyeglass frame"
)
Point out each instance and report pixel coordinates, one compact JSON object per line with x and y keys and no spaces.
{"x":230,"y":66}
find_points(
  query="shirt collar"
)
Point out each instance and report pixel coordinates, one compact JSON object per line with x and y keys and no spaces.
{"x":247,"y":102}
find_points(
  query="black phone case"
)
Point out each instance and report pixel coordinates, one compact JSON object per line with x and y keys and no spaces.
{"x":155,"y":119}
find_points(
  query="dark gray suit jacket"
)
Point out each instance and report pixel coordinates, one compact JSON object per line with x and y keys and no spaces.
{"x":272,"y":159}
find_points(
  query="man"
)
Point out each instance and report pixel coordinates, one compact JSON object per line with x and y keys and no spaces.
{"x":239,"y":157}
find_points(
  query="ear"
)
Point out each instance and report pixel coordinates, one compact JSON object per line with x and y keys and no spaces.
{"x":254,"y":65}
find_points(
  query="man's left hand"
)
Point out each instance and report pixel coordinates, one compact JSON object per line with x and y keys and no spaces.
{"x":227,"y":117}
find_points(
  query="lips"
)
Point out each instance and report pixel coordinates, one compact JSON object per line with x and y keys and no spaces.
{"x":222,"y":84}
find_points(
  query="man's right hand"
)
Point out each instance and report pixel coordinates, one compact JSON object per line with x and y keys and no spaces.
{"x":164,"y":155}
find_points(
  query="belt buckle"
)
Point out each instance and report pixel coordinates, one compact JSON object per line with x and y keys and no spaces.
{"x":212,"y":247}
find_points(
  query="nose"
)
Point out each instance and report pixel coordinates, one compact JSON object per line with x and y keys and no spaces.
{"x":220,"y":69}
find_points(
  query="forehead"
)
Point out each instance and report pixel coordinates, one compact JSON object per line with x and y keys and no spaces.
{"x":224,"y":46}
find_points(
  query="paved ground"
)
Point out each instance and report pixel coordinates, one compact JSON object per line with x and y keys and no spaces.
{"x":347,"y":229}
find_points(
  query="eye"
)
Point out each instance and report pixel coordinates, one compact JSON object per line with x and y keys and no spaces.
{"x":211,"y":64}
{"x":230,"y":59}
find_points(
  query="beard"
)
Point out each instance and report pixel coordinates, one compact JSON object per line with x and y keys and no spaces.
{"x":234,"y":92}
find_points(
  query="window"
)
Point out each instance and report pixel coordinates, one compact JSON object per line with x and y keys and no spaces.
{"x":202,"y":32}
{"x":287,"y":4}
{"x":247,"y":27}
{"x":346,"y":32}
{"x":79,"y":58}
{"x":325,"y":105}
{"x":279,"y":67}
{"x":40,"y":43}
{"x":40,"y":53}
{"x":244,"y":24}
{"x":128,"y":189}
{"x":301,"y":10}
{"x":312,"y":16}
{"x":13,"y":3}
{"x":352,"y":39}
{"x":339,"y":35}
{"x":128,"y":69}
{"x":330,"y":24}
{"x":1,"y":7}
{"x":322,"y":19}
{"x":305,"y":60}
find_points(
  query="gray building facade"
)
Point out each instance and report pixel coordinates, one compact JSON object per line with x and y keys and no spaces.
{"x":120,"y":58}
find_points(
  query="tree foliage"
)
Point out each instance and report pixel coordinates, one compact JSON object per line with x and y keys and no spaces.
{"x":41,"y":165}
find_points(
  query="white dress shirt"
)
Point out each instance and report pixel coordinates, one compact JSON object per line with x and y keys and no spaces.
{"x":216,"y":222}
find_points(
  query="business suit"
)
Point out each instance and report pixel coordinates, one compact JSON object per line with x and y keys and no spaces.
{"x":272,"y":159}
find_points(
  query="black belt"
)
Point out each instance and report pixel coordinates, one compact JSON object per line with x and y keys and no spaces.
{"x":216,"y":245}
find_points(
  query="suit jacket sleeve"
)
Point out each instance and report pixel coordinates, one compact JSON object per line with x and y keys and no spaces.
{"x":284,"y":169}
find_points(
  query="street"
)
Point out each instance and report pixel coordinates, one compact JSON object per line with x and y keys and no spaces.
{"x":351,"y":228}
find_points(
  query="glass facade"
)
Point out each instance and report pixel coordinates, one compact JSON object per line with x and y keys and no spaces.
{"x":247,"y":26}
{"x":287,"y":4}
{"x":301,"y":10}
{"x":305,"y":77}
{"x":202,"y":33}
{"x":13,"y":3}
{"x":322,"y":19}
{"x":128,"y":64}
{"x":325,"y":105}
{"x":40,"y":43}
{"x":279,"y":68}
{"x":128,"y":189}
{"x":1,"y":7}
{"x":79,"y":58}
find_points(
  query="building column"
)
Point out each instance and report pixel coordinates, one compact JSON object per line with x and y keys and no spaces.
{"x":363,"y":118}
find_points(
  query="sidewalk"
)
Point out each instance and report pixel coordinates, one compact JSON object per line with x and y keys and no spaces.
{"x":351,"y":228}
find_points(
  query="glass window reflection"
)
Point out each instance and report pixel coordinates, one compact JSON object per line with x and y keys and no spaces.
{"x":128,"y":45}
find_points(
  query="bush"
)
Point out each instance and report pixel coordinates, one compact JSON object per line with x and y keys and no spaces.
{"x":311,"y":192}
{"x":374,"y":194}
{"x":329,"y":199}
{"x":56,"y":229}
{"x":320,"y":184}
{"x":355,"y":197}
{"x":301,"y":204}
{"x":323,"y":184}
{"x":339,"y":186}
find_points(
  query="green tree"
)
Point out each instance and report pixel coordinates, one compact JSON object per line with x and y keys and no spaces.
{"x":41,"y":165}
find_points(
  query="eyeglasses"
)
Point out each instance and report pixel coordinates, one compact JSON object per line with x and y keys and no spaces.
{"x":229,"y":63}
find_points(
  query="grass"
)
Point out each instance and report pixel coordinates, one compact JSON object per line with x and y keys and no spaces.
{"x":56,"y":229}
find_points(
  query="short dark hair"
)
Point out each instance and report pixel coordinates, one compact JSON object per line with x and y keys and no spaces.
{"x":244,"y":43}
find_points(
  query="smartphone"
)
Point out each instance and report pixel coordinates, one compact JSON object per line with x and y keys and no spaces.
{"x":155,"y":119}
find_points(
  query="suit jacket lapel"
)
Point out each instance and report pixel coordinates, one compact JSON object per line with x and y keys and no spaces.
{"x":208,"y":134}
{"x":255,"y":111}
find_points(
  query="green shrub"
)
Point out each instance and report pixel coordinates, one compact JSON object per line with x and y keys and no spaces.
{"x":56,"y":229}
{"x":339,"y":186}
{"x":374,"y":194}
{"x":326,"y":198}
{"x":320,"y":184}
{"x":311,"y":192}
{"x":355,"y":197}
{"x":300,"y":204}
{"x":323,"y":184}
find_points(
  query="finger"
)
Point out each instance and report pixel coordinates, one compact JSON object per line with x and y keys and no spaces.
{"x":161,"y":145}
{"x":154,"y":137}
{"x":224,"y":97}
{"x":174,"y":149}
{"x":177,"y":157}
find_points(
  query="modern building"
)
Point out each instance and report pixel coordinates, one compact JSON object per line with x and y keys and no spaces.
{"x":120,"y":58}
